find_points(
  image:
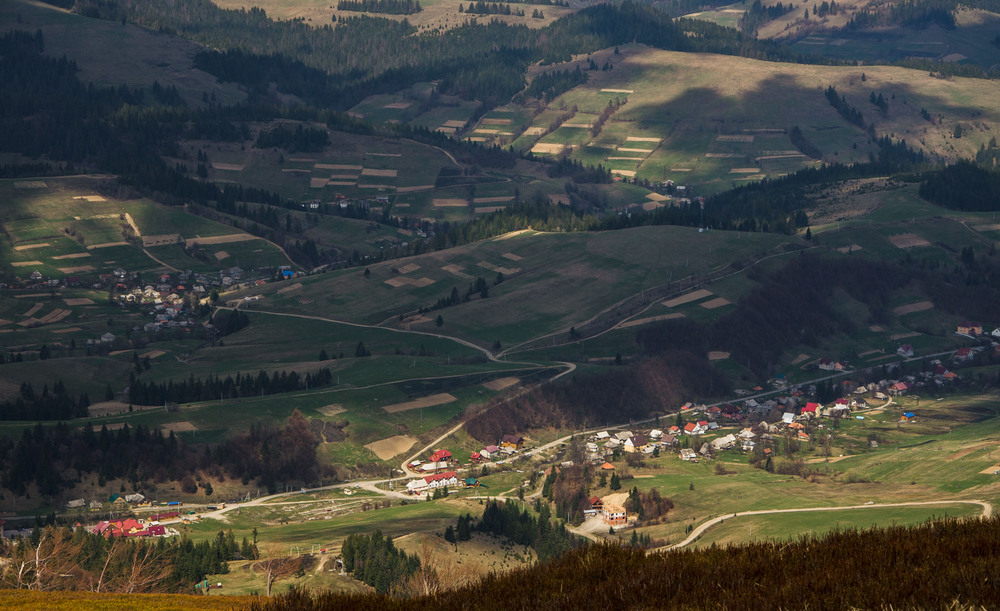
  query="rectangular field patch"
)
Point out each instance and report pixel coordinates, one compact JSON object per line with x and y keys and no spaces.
{"x":431,"y":401}
{"x":392,"y":446}
{"x":910,"y":308}
{"x":25,"y":263}
{"x":449,"y":202}
{"x":688,"y":298}
{"x":908,"y":240}
{"x":75,"y":255}
{"x":229,"y":167}
{"x":78,"y":301}
{"x":74,"y":270}
{"x":718,"y":302}
{"x":734,"y":138}
{"x":30,"y":246}
{"x":413,"y":188}
{"x":501,"y":383}
{"x":649,"y":319}
{"x":382,"y":173}
{"x":334,"y":166}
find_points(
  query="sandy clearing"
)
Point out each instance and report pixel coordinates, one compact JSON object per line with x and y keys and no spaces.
{"x":511,"y":256}
{"x":618,"y":90}
{"x":487,"y":131}
{"x":382,"y":173}
{"x":178,"y":427}
{"x":225,"y":239}
{"x":219,"y":256}
{"x":30,"y":246}
{"x":501,"y":383}
{"x":548,"y":148}
{"x":287,"y":289}
{"x":970,"y":449}
{"x":81,"y":268}
{"x":801,"y":357}
{"x":75,"y":255}
{"x":454,"y":123}
{"x":848,"y":249}
{"x":492,"y":200}
{"x":656,"y":197}
{"x":334,"y":166}
{"x":784,"y":156}
{"x":411,"y":189}
{"x":919,"y":306}
{"x":332,"y":410}
{"x":91,"y":198}
{"x":718,"y":302}
{"x":487,"y":209}
{"x":624,"y":149}
{"x":994,"y":470}
{"x":688,"y":298}
{"x":34,"y":308}
{"x":430,"y":401}
{"x":642,"y":139}
{"x":629,"y":173}
{"x":25,"y":263}
{"x":152,"y":354}
{"x":229,"y":167}
{"x":649,"y":319}
{"x":577,"y":125}
{"x":398,"y":105}
{"x":106,"y":245}
{"x":397,"y":282}
{"x":899,"y":336}
{"x":446,"y":130}
{"x":717,"y":355}
{"x":734,"y":138}
{"x":317,"y":183}
{"x":908,"y":240}
{"x":392,"y":446}
{"x":449,"y":202}
{"x":409,"y":267}
{"x":651,"y":205}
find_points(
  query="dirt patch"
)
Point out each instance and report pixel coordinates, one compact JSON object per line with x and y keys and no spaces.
{"x":651,"y":205}
{"x":497,"y":121}
{"x":91,"y":198}
{"x":80,"y":268}
{"x":501,"y":384}
{"x":397,"y":282}
{"x":382,"y":173}
{"x":219,"y":256}
{"x":432,"y":400}
{"x":409,"y":267}
{"x":908,"y":240}
{"x":106,"y":245}
{"x":507,"y":271}
{"x":629,"y":173}
{"x":899,"y":336}
{"x":970,"y":449}
{"x":876,"y":328}
{"x":421,"y":282}
{"x":34,"y":308}
{"x":411,"y":189}
{"x":117,"y":352}
{"x":920,"y":306}
{"x":622,"y":149}
{"x":317,"y":183}
{"x":617,"y":91}
{"x":333,"y":166}
{"x":511,"y":256}
{"x":152,"y":354}
{"x":25,"y":263}
{"x":54,"y":316}
{"x":800,"y":358}
{"x":69,"y":330}
{"x":656,"y":197}
{"x":687,"y":298}
{"x":293,"y":287}
{"x":332,"y":410}
{"x":492,"y":200}
{"x":534,"y":131}
{"x":454,"y":123}
{"x":4,"y":322}
{"x":649,"y":319}
{"x":456,"y":270}
{"x":717,"y":355}
{"x":449,"y":202}
{"x":229,"y":167}
{"x":393,"y":446}
{"x":734,"y":138}
{"x":548,"y":148}
{"x":225,"y":239}
{"x":105,"y":408}
{"x":30,"y":246}
{"x":718,"y":302}
{"x":79,"y":301}
{"x":179,"y":427}
{"x":848,"y":249}
{"x":75,"y":255}
{"x":641,"y":139}
{"x":398,"y":105}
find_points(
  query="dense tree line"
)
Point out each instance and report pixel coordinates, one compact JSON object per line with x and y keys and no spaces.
{"x":55,"y":405}
{"x":388,"y":7}
{"x":215,"y":388}
{"x":800,"y":141}
{"x":850,"y":113}
{"x":963,"y":186}
{"x":376,"y":561}
{"x":759,"y":14}
{"x":506,"y":519}
{"x":481,"y":7}
{"x":301,"y":139}
{"x":271,"y":455}
{"x":912,"y":13}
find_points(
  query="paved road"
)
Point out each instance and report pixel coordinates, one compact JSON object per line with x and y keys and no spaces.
{"x":697,"y":532}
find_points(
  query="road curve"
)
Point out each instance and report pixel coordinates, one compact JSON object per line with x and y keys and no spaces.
{"x":697,"y":532}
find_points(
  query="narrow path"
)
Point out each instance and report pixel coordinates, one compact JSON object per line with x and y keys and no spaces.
{"x":697,"y":532}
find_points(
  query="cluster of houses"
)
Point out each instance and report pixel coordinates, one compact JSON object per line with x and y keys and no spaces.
{"x":443,"y":460}
{"x":448,"y":479}
{"x":132,"y":527}
{"x":115,"y":502}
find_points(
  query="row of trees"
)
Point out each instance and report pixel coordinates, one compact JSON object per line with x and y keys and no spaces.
{"x":388,"y":7}
{"x":376,"y":561}
{"x":215,"y":387}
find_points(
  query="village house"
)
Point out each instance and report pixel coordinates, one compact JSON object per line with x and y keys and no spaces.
{"x":726,"y":442}
{"x":601,"y":436}
{"x":963,"y":354}
{"x":687,"y":454}
{"x":613,"y":509}
{"x":515,"y":442}
{"x":969,"y":329}
{"x":905,"y":351}
{"x":636,"y":443}
{"x":830,"y":365}
{"x":440,"y":455}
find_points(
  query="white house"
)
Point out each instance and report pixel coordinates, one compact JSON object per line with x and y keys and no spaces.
{"x":687,"y":454}
{"x":601,"y":436}
{"x":724,"y":443}
{"x":439,"y":480}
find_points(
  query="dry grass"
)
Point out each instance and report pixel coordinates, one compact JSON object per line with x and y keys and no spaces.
{"x":385,"y":449}
{"x":89,"y":601}
{"x":429,"y":401}
{"x":910,"y":308}
{"x":687,"y":298}
{"x":908,"y":240}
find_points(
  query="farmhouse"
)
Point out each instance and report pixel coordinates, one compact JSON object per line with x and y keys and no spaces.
{"x":636,"y":443}
{"x":515,"y":442}
{"x":440,"y":455}
{"x":963,"y":355}
{"x":970,"y":329}
{"x":687,"y":454}
{"x":905,"y":351}
{"x":613,"y":509}
{"x":725,"y":442}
